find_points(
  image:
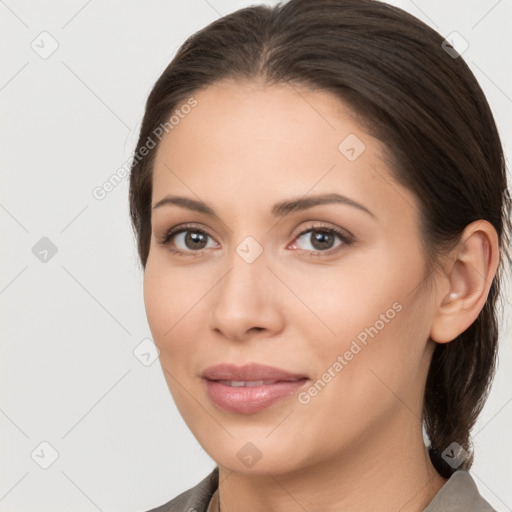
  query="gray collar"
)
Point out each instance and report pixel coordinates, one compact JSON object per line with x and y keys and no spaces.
{"x":458,"y":494}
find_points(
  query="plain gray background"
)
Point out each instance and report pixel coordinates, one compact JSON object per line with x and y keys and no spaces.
{"x":70,"y":324}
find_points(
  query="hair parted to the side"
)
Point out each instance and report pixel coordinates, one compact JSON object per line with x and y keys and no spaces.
{"x":423,"y":104}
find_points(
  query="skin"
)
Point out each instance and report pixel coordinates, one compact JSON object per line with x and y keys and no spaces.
{"x":357,"y":445}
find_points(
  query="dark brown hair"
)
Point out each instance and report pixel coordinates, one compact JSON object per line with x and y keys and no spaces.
{"x":422,"y":102}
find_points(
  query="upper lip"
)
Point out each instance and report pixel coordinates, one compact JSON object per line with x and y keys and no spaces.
{"x":253,"y":371}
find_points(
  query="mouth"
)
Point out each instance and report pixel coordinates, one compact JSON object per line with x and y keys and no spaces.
{"x":250,"y":388}
{"x":252,"y":372}
{"x":248,"y":383}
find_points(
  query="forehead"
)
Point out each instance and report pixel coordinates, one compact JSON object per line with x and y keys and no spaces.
{"x":233,"y":116}
{"x":250,"y":142}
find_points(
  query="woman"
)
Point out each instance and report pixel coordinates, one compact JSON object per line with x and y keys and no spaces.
{"x":320,"y":202}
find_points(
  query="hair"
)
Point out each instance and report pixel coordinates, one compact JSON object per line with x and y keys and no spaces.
{"x":425,"y":106}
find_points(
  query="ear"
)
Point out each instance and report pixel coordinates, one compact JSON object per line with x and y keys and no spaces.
{"x":467,"y":279}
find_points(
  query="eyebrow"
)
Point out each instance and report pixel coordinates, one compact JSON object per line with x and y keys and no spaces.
{"x":280,"y":209}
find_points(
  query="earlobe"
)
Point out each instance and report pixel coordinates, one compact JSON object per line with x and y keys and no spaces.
{"x":469,"y":278}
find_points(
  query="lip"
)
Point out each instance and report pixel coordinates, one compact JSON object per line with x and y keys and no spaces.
{"x":248,"y":400}
{"x":252,"y":371}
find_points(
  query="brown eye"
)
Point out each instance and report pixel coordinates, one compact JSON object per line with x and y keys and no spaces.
{"x":190,"y":240}
{"x":194,"y":239}
{"x":186,"y":240}
{"x":322,"y":239}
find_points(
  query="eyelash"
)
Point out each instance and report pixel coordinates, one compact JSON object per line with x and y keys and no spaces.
{"x":344,"y":237}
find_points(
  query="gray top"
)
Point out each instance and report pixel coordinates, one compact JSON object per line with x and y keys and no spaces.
{"x":458,"y":494}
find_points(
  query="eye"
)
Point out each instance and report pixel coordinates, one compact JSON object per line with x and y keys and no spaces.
{"x":191,"y":238}
{"x":321,"y":239}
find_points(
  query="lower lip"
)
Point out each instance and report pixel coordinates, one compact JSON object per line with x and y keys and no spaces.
{"x":247,"y":400}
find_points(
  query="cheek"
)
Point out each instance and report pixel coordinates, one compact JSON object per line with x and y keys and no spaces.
{"x":157,"y":302}
{"x":166,"y":311}
{"x":369,"y":314}
{"x":175,"y":299}
{"x":364,"y":374}
{"x":340,"y":302}
{"x":163,"y":301}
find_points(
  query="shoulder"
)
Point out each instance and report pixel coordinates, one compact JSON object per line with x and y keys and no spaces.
{"x":195,"y":499}
{"x":459,"y":494}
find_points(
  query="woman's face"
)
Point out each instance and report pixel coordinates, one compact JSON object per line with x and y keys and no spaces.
{"x":267,"y":285}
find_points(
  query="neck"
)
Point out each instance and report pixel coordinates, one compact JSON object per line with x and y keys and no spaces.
{"x":385,"y":472}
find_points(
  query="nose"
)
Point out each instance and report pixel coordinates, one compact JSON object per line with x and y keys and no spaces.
{"x":247,"y":300}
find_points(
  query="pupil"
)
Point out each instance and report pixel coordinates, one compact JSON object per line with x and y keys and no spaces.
{"x":195,"y":238}
{"x":319,"y":237}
